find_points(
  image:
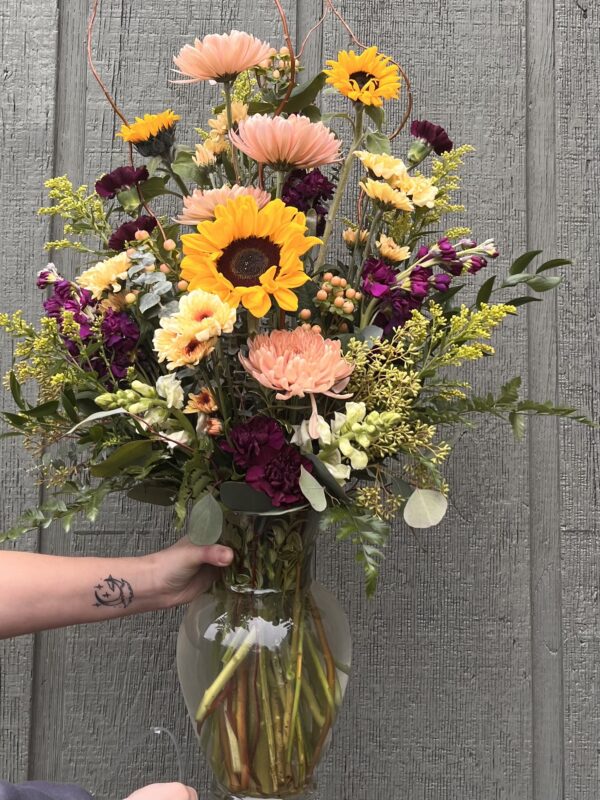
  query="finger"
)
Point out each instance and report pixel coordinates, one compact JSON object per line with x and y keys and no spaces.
{"x":193,"y":794}
{"x":215,"y":554}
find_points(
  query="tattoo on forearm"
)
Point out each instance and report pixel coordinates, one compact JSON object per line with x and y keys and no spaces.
{"x":113,"y":592}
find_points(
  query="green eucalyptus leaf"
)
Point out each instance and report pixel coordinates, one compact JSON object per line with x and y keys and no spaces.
{"x":377,"y":143}
{"x":326,"y":478}
{"x":239,"y":496}
{"x":312,"y":490}
{"x":131,"y":454}
{"x":206,"y":521}
{"x":522,"y":262}
{"x":425,"y":508}
{"x":153,"y":493}
{"x":544,"y":283}
{"x":520,"y":277}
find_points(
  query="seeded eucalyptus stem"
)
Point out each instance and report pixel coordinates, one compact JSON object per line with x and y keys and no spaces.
{"x":339,"y":192}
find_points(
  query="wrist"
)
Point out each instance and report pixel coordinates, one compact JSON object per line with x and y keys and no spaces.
{"x":146,"y":584}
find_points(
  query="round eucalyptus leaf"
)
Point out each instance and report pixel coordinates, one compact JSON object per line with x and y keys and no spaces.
{"x":425,"y":508}
{"x":206,"y":521}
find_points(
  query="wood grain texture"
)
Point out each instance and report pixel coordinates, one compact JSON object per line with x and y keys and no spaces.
{"x":577,"y":37}
{"x":457,"y":688}
{"x":27,"y":77}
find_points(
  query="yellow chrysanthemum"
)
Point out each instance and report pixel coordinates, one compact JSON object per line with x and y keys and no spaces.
{"x":149,"y":125}
{"x":368,"y":77}
{"x":105,"y":275}
{"x":383,"y":193}
{"x":422,"y":191}
{"x":390,"y":250}
{"x":220,"y":126}
{"x":384,"y":166}
{"x":246,"y":254}
{"x":188,"y":335}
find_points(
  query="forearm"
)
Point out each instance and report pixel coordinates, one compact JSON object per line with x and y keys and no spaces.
{"x":42,"y":591}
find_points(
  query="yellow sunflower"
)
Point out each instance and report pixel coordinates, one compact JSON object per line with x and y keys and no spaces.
{"x":368,"y":77}
{"x":148,"y":126}
{"x":383,"y":193}
{"x":246,"y":254}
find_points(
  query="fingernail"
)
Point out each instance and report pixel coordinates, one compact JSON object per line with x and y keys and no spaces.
{"x":226,"y":556}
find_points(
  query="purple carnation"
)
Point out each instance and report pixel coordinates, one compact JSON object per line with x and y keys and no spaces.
{"x":378,"y":278}
{"x":120,"y":179}
{"x":126,"y":232}
{"x":434,"y":135}
{"x":277,"y":474}
{"x":250,"y":439}
{"x":308,"y":190}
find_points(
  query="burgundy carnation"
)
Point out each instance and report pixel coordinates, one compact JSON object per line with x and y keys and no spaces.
{"x":126,"y":232}
{"x":250,"y":439}
{"x":434,"y":135}
{"x":277,"y":474}
{"x":308,"y":190}
{"x":120,"y":179}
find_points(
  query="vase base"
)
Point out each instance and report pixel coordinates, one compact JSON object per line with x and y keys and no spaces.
{"x":220,"y":793}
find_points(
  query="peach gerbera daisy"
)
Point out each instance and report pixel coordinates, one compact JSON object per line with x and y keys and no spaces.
{"x":286,"y":143}
{"x":200,"y":205}
{"x":298,"y":363}
{"x":187,"y":336}
{"x":220,"y":57}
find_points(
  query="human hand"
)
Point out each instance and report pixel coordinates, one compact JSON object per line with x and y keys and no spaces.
{"x":164,"y":791}
{"x":184,"y":570}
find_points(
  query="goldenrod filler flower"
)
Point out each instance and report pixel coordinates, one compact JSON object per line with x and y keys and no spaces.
{"x":249,"y":254}
{"x":105,"y":275}
{"x":383,"y":193}
{"x":368,"y":77}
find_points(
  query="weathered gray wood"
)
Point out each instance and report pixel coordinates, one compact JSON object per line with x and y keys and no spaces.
{"x":544,"y":493}
{"x":577,"y":37}
{"x":457,"y":685}
{"x":438,"y":704}
{"x":27,"y":59}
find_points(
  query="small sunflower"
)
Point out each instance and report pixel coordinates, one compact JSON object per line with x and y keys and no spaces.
{"x":152,"y":134}
{"x":368,"y":77}
{"x":383,"y":193}
{"x":249,"y":254}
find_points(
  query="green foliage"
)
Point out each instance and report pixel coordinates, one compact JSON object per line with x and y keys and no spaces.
{"x":366,"y":532}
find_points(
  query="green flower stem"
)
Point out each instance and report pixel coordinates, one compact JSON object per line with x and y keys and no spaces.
{"x":313,"y":704}
{"x":339,"y":192}
{"x":234,"y":152}
{"x":264,"y":693}
{"x":226,"y":673}
{"x":321,"y":673}
{"x":366,"y":315}
{"x":280,"y":175}
{"x":297,"y":689}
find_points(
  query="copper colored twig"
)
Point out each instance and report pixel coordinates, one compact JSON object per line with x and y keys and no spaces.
{"x":312,"y":30}
{"x":290,"y":47}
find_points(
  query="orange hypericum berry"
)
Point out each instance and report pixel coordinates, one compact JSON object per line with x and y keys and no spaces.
{"x":182,"y":285}
{"x":169,"y":245}
{"x":338,"y":302}
{"x":328,"y":276}
{"x":348,"y":307}
{"x":140,"y":236}
{"x":321,"y":295}
{"x":336,"y":281}
{"x":305,"y":313}
{"x":165,"y":268}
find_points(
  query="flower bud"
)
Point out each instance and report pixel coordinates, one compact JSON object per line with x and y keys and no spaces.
{"x":143,"y":389}
{"x":418,"y":151}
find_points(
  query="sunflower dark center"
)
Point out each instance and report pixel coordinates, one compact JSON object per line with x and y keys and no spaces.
{"x":362,"y":78}
{"x":245,"y":260}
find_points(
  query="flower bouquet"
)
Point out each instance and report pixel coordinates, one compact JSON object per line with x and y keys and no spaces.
{"x":274,"y":351}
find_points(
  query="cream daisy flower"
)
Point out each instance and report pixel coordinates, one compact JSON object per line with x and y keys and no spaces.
{"x":105,"y":275}
{"x":350,"y":234}
{"x":203,"y":157}
{"x":384,"y":194}
{"x":384,"y":166}
{"x":390,"y":250}
{"x":188,"y":335}
{"x":422,"y":192}
{"x":219,"y":125}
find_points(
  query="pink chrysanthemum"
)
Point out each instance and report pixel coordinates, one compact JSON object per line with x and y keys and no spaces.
{"x":200,"y":205}
{"x":220,"y":56}
{"x":285,"y":143}
{"x":298,"y":363}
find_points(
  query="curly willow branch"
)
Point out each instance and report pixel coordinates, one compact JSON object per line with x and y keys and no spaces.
{"x":290,"y":47}
{"x":113,"y":104}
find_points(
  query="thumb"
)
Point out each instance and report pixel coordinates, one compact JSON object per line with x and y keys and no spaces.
{"x":215,"y":554}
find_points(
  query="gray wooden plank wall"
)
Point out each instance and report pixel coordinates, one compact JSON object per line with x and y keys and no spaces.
{"x":477,"y":666}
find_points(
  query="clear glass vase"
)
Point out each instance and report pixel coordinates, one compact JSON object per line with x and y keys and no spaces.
{"x":263,"y":661}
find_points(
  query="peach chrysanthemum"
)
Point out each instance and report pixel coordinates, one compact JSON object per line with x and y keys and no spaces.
{"x":220,"y":56}
{"x":285,"y":143}
{"x":203,"y":157}
{"x":188,"y":335}
{"x":298,"y":363}
{"x":202,"y":403}
{"x":389,"y":249}
{"x":200,"y":205}
{"x":105,"y":275}
{"x":383,"y":193}
{"x":349,"y":236}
